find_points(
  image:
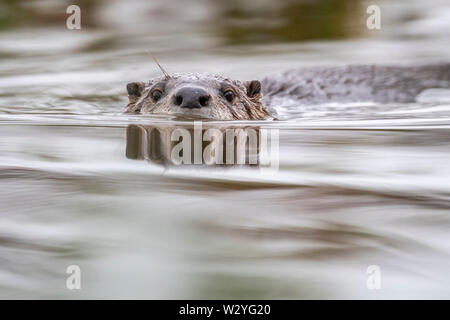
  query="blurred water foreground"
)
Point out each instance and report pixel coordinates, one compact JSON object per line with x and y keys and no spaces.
{"x":358,"y":185}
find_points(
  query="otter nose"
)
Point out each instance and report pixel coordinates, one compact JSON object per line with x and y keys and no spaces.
{"x":192,"y":98}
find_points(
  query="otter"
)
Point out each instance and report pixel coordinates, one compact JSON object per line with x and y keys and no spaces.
{"x":216,"y":97}
{"x":200,"y":96}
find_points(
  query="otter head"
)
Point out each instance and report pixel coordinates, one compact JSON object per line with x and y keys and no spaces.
{"x":198,"y":96}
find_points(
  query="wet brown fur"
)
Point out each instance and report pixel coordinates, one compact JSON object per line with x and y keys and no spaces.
{"x":246,"y":105}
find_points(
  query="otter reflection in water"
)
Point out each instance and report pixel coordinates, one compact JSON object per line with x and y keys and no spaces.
{"x":200,"y":144}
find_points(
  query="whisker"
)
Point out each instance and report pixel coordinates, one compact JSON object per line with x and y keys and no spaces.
{"x":166,"y":74}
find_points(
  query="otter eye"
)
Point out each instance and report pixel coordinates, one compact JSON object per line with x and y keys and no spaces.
{"x":229,"y":95}
{"x":156,"y":95}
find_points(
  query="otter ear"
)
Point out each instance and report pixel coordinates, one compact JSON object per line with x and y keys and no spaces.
{"x":253,"y":88}
{"x":135,"y":88}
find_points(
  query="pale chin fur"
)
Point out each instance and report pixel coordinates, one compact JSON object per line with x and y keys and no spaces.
{"x":202,"y":113}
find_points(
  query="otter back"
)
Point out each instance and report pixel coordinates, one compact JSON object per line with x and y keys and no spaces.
{"x":381,"y":84}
